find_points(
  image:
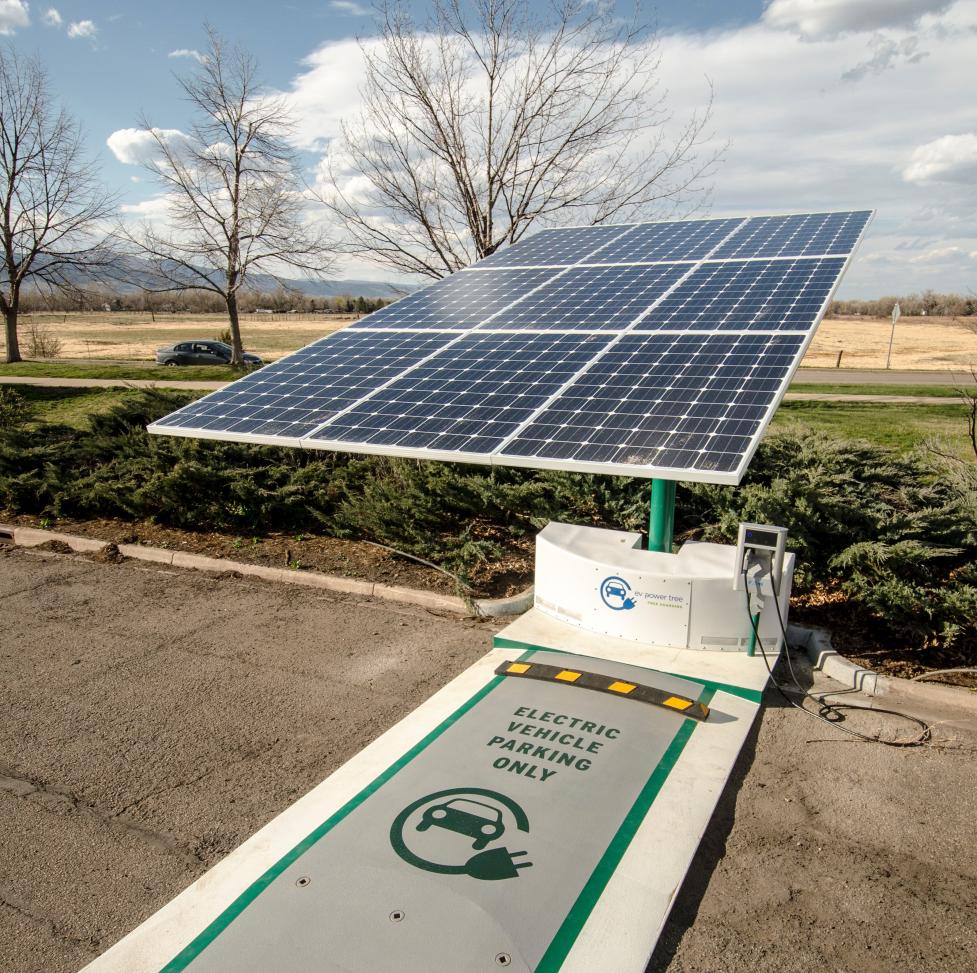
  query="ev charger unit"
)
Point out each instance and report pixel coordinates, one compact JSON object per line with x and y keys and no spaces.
{"x":602,"y":581}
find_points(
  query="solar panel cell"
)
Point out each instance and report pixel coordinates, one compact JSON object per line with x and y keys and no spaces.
{"x":767,"y":295}
{"x":559,"y":247}
{"x":809,"y":234}
{"x":605,"y":298}
{"x":468,"y":398}
{"x":462,"y":300}
{"x":647,"y":402}
{"x":687,"y":240}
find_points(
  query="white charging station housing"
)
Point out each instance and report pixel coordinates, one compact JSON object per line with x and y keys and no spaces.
{"x":604,"y":582}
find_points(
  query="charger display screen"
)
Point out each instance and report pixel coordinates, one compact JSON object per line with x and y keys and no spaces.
{"x":760,"y":538}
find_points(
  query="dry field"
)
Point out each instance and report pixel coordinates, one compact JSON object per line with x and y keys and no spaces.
{"x":134,"y":335}
{"x":930,"y":343}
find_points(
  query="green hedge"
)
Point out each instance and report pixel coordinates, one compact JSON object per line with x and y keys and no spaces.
{"x":897,"y":534}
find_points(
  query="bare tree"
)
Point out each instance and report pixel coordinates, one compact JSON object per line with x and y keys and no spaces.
{"x":52,"y":211}
{"x":234,"y":199}
{"x":485,"y":120}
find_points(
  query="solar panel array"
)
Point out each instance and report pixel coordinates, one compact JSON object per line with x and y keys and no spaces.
{"x":648,"y":349}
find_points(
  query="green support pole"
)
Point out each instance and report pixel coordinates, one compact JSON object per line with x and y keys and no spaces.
{"x":751,"y":648}
{"x":661,"y":521}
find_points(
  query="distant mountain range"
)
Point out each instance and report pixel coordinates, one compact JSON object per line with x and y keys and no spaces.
{"x":132,"y":274}
{"x":342,"y":287}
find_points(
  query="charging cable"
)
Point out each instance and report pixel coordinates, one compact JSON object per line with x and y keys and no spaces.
{"x":829,"y":713}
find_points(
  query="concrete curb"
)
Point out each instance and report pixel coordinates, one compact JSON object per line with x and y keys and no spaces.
{"x":817,"y":643}
{"x":899,"y":692}
{"x":29,"y":537}
{"x":513,"y":605}
{"x":488,"y":607}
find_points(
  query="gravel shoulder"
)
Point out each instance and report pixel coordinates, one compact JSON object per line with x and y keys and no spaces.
{"x":155,"y":718}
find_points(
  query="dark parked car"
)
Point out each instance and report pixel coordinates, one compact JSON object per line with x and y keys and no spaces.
{"x":202,"y":353}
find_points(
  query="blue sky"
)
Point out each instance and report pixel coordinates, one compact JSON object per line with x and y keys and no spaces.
{"x":824,"y":103}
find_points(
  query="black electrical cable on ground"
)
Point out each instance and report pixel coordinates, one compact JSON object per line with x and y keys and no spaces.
{"x":824,"y":707}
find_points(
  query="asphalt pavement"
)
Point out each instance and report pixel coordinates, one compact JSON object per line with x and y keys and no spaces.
{"x":154,"y":718}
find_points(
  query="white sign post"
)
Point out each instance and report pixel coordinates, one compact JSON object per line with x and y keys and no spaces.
{"x":896,"y":311}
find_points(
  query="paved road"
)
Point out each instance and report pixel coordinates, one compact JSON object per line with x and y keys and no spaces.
{"x":108,"y":383}
{"x":845,"y":397}
{"x":880,"y":376}
{"x":153,"y":719}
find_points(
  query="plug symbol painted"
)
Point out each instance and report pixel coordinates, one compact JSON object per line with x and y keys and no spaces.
{"x":495,"y":864}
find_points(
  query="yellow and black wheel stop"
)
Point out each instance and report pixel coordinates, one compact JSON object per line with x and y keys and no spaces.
{"x":606,"y":684}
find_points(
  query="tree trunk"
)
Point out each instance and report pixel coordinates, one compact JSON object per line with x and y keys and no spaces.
{"x":10,"y":334}
{"x":237,"y":351}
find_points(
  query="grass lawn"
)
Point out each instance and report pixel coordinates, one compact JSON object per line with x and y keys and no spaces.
{"x":902,"y":427}
{"x":930,"y":391}
{"x":69,"y":407}
{"x":145,"y":372}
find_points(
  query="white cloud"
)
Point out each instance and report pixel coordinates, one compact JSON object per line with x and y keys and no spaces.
{"x":82,"y":29}
{"x":190,"y":53}
{"x":326,"y":92}
{"x":13,"y":16}
{"x":52,"y":18}
{"x":156,"y":209}
{"x":940,"y":255}
{"x":802,"y":138}
{"x":887,"y":54}
{"x":952,"y":158}
{"x":136,"y":146}
{"x":349,"y":7}
{"x":826,"y":19}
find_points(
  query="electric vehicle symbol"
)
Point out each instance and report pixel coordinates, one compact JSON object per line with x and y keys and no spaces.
{"x":457,"y":810}
{"x":470,"y":818}
{"x":615,"y":593}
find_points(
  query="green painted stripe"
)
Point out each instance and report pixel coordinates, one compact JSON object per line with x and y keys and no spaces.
{"x":578,"y":915}
{"x":753,"y":695}
{"x":205,"y":938}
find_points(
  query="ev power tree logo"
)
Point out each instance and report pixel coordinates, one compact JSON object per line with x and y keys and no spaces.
{"x":615,"y":592}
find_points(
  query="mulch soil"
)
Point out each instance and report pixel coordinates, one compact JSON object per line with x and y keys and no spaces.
{"x":305,"y":552}
{"x":859,"y":637}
